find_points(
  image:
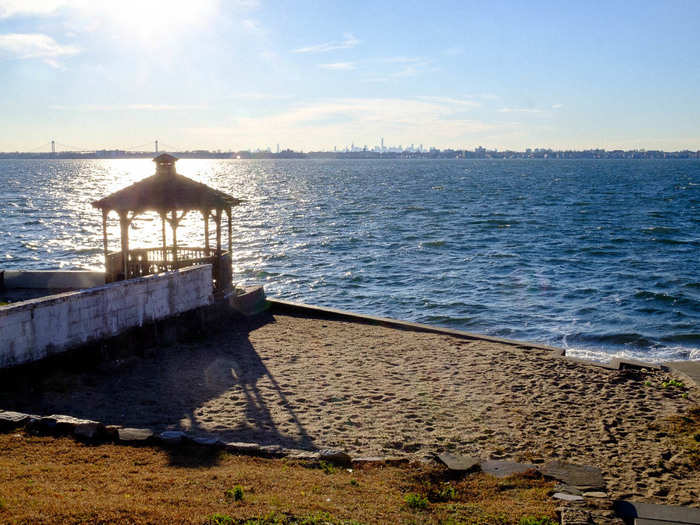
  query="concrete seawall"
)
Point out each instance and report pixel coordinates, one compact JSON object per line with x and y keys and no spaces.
{"x":38,"y":328}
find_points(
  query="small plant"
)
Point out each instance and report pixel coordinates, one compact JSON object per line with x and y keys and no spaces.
{"x":672,"y":383}
{"x":415,"y":501}
{"x":235,"y":494}
{"x":328,"y":468}
{"x":443,"y":492}
{"x":354,"y":483}
{"x":3,"y":505}
{"x":647,"y":383}
{"x":531,"y":520}
{"x":219,"y":519}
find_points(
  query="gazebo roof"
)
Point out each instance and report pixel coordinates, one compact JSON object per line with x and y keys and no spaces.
{"x":165,"y":191}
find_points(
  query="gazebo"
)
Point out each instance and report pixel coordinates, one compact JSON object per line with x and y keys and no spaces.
{"x":172,"y":196}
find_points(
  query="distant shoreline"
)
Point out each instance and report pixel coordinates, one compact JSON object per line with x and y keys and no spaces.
{"x":366,"y":155}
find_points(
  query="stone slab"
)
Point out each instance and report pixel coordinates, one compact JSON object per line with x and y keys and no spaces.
{"x":171,"y":437}
{"x":206,"y":441}
{"x":644,"y":521}
{"x":662,"y":513}
{"x":238,"y":447}
{"x":10,"y":420}
{"x":87,"y":429}
{"x":458,"y":463}
{"x":333,"y":455}
{"x":305,"y":455}
{"x":567,"y":497}
{"x":134,"y":435}
{"x":622,"y":363}
{"x":574,"y":475}
{"x":502,"y":469}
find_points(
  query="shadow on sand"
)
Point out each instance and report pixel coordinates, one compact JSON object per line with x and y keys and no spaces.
{"x":209,"y":387}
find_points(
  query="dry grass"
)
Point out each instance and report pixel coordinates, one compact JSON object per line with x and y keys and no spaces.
{"x":684,"y":430}
{"x":57,"y":480}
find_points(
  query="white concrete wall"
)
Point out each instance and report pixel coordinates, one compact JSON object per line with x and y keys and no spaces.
{"x":31,"y":330}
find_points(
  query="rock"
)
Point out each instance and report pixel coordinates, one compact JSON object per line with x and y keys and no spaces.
{"x":334,"y":455}
{"x":304,"y":455}
{"x":575,"y":516}
{"x":251,"y":449}
{"x":273,"y":451}
{"x":574,"y":475}
{"x":87,"y":429}
{"x":595,"y":494}
{"x":134,"y":435}
{"x":11,"y":420}
{"x":171,"y":437}
{"x":502,"y":469}
{"x":567,"y":489}
{"x":567,"y":497}
{"x":206,"y":441}
{"x":458,"y":463}
{"x":378,"y":460}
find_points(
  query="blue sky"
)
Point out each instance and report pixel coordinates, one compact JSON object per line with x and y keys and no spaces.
{"x":313,"y":75}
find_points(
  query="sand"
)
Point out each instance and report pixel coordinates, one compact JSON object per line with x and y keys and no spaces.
{"x":310,"y":383}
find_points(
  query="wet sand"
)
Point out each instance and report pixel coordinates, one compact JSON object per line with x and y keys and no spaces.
{"x":310,"y":383}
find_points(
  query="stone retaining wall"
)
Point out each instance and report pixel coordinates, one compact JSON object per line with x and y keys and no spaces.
{"x":35,"y":329}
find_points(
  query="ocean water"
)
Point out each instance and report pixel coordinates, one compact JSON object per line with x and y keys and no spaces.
{"x":599,"y":257}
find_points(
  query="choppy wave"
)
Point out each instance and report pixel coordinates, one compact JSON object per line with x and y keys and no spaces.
{"x":597,"y":257}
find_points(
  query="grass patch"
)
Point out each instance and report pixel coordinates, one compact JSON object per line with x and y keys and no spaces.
{"x":415,"y":501}
{"x":48,"y":480}
{"x":684,"y":431}
{"x":234,"y":494}
{"x":531,"y":520}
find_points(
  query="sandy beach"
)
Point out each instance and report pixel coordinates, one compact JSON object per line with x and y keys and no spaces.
{"x":310,"y":383}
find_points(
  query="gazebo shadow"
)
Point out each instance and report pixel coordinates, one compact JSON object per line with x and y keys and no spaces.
{"x":218,"y":386}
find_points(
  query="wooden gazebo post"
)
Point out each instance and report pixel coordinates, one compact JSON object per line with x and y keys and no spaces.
{"x":124,"y":229}
{"x":105,"y":212}
{"x":230,"y":230}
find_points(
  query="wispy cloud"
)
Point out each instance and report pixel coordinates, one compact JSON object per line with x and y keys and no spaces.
{"x":519,"y":110}
{"x":465,"y":102}
{"x":129,"y":107}
{"x":338,"y":121}
{"x":454,"y":51}
{"x":34,"y":45}
{"x":10,"y":8}
{"x":338,"y":66}
{"x":349,"y":41}
{"x":557,"y":106}
{"x":260,"y":96}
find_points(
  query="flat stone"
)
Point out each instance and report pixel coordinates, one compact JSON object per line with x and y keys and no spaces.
{"x":134,"y":435}
{"x":87,"y":429}
{"x":304,"y":455}
{"x":567,"y":497}
{"x":458,"y":463}
{"x":574,"y":475}
{"x":206,"y":441}
{"x":502,"y":469}
{"x":660,"y":513}
{"x":567,"y":489}
{"x":273,"y":451}
{"x":334,"y":455}
{"x":11,"y":420}
{"x":595,"y":494}
{"x":171,"y":437}
{"x":243,"y":448}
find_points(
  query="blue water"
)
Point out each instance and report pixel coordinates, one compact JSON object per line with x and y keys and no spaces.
{"x":600,"y":257}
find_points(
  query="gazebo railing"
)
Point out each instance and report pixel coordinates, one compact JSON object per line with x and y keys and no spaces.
{"x":148,"y":261}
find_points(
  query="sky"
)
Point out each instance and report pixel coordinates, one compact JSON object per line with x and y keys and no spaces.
{"x":311,"y":75}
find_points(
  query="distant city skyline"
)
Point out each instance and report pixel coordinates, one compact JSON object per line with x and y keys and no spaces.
{"x":243,"y":74}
